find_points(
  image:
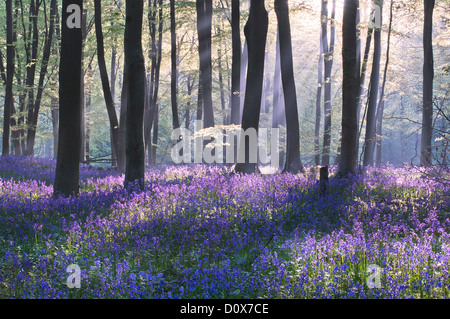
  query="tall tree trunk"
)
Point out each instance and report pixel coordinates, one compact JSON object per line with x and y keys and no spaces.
{"x":370,"y":138}
{"x":293,"y":161}
{"x":428,"y":75}
{"x":350,"y":85}
{"x":88,"y":126}
{"x":31,"y":135}
{"x":10,"y":52}
{"x":155,"y":56}
{"x":82,"y":85}
{"x":279,"y":115}
{"x":173,"y":77}
{"x":67,"y":171}
{"x":114,"y":152}
{"x":204,"y":22}
{"x":121,"y":154}
{"x":113,"y":122}
{"x":318,"y":102}
{"x":256,"y":35}
{"x":236,"y":63}
{"x":363,"y":73}
{"x":328,"y":60}
{"x":135,"y":156}
{"x":31,"y":72}
{"x":381,"y":103}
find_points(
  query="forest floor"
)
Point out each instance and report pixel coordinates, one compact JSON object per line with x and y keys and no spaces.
{"x":202,"y":232}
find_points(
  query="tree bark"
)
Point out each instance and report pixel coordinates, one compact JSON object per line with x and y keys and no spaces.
{"x":350,"y":85}
{"x":370,"y":138}
{"x":236,"y":63}
{"x":381,"y":103}
{"x":293,"y":162}
{"x":10,"y":52}
{"x":428,"y":75}
{"x":204,"y":21}
{"x":318,"y":103}
{"x":328,"y":60}
{"x":67,"y":171}
{"x":255,"y":33}
{"x":135,"y":156}
{"x":113,"y":122}
{"x":173,"y":77}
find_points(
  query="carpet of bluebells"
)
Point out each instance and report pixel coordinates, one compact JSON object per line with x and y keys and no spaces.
{"x":203,"y":232}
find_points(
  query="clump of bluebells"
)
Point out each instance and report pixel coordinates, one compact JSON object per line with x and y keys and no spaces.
{"x":203,"y":232}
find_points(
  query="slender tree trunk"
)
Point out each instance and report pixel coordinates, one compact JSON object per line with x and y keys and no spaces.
{"x":31,"y":135}
{"x":10,"y":52}
{"x":279,"y":114}
{"x":67,"y":171}
{"x":31,"y":72}
{"x":293,"y":161}
{"x":381,"y":103}
{"x":135,"y":156}
{"x":350,"y":86}
{"x":428,"y":75}
{"x":155,"y":56}
{"x":82,"y":85}
{"x":236,"y":63}
{"x":363,"y":72}
{"x":370,"y":138}
{"x":113,"y":122}
{"x":114,"y":152}
{"x":173,"y":78}
{"x":88,"y":126}
{"x":204,"y":21}
{"x":121,"y":158}
{"x":327,"y":97}
{"x":255,"y":32}
{"x":318,"y":102}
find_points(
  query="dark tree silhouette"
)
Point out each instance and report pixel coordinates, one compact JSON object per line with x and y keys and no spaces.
{"x":328,"y":60}
{"x":204,"y":21}
{"x":428,"y":75}
{"x":236,"y":62}
{"x":350,"y":86}
{"x":381,"y":102}
{"x":173,"y":77}
{"x":135,"y":156}
{"x":113,"y":122}
{"x":293,"y":162}
{"x":255,"y":32}
{"x":10,"y":52}
{"x":370,"y":138}
{"x":67,"y":171}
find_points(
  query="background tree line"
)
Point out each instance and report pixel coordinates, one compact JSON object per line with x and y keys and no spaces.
{"x":198,"y":66}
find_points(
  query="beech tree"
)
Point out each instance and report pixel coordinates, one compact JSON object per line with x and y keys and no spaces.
{"x":370,"y":138}
{"x":204,"y":22}
{"x":350,"y":86}
{"x":173,"y":77}
{"x":113,"y":122}
{"x":236,"y":63}
{"x":293,"y":162}
{"x":255,"y":31}
{"x":428,"y":75}
{"x":135,"y":156}
{"x":67,"y":171}
{"x":10,"y":52}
